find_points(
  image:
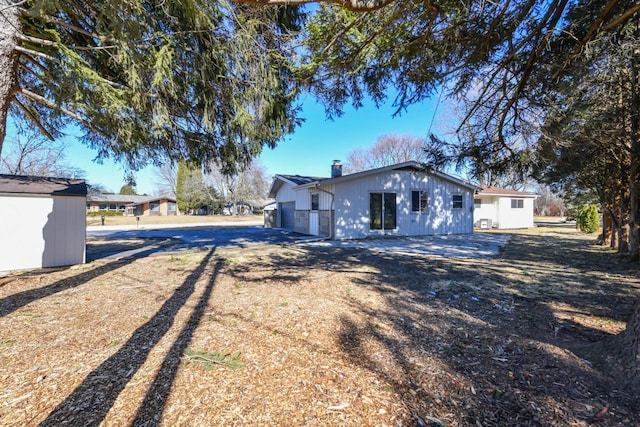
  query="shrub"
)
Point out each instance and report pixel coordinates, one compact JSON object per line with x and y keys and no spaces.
{"x":588,"y":219}
{"x":104,"y":213}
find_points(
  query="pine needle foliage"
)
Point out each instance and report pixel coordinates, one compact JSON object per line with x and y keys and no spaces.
{"x":147,"y":81}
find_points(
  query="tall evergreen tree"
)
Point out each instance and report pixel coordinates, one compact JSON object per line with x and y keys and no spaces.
{"x":202,"y":80}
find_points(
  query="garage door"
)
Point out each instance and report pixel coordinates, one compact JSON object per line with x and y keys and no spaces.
{"x":287,"y":215}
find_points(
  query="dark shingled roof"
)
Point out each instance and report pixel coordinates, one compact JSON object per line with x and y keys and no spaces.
{"x":18,"y":184}
{"x":301,"y":180}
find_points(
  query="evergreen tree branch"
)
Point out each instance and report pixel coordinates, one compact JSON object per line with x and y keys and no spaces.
{"x":623,"y":18}
{"x":42,"y":68}
{"x":36,"y":40}
{"x":33,"y":119}
{"x":35,"y":53}
{"x":353,"y":5}
{"x":44,"y":101}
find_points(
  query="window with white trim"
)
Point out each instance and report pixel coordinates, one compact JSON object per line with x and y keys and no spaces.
{"x":419,"y":200}
{"x":315,"y":201}
{"x":477,"y":203}
{"x":517,"y":203}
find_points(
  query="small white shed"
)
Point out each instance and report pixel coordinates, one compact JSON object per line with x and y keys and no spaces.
{"x":502,"y":208}
{"x":42,"y":222}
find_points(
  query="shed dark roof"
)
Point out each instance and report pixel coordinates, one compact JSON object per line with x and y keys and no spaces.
{"x":18,"y":184}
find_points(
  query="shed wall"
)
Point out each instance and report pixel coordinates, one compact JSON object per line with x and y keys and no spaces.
{"x":41,"y":231}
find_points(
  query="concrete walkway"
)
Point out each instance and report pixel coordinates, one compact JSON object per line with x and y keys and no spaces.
{"x":477,"y":245}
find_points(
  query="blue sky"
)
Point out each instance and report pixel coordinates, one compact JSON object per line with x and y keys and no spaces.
{"x":310,"y":150}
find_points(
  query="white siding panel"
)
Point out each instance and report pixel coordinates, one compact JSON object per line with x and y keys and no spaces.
{"x":41,"y":231}
{"x":515,"y":218}
{"x":488,"y":210}
{"x":352,"y":206}
{"x":303,"y":199}
{"x":326,"y":198}
{"x":286,"y":193}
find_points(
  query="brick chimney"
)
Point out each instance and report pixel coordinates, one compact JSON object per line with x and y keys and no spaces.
{"x":336,"y":169}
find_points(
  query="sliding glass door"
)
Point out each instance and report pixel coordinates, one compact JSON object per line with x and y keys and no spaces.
{"x":382,"y":211}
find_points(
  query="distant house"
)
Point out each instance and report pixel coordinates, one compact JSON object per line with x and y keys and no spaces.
{"x":153,"y":206}
{"x":501,"y":208}
{"x":111,"y":202}
{"x":132,"y":205}
{"x":397,"y":200}
{"x":42,"y":222}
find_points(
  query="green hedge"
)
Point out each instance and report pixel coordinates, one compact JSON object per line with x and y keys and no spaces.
{"x":99,"y":214}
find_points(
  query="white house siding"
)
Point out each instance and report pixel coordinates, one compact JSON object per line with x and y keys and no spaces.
{"x":286,"y":193}
{"x":352,"y":205}
{"x":41,"y":231}
{"x":303,"y":197}
{"x":488,"y":210}
{"x":509,"y":217}
{"x":308,"y":222}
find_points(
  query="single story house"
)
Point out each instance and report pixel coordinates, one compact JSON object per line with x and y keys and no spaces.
{"x":397,"y":200}
{"x":111,"y":202}
{"x":153,"y":206}
{"x":42,"y":222}
{"x":131,"y":205}
{"x":501,"y":208}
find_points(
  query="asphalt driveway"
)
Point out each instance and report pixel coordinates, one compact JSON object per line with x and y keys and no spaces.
{"x":180,"y":238}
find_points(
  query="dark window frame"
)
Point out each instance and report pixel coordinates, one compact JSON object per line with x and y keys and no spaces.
{"x":457,"y":201}
{"x":383,"y":210}
{"x":419,"y":201}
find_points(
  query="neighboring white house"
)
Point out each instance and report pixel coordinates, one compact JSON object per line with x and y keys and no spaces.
{"x":501,"y":208}
{"x":42,"y":222}
{"x":396,"y":200}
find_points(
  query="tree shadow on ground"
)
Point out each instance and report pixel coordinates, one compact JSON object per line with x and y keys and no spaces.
{"x":90,"y":402}
{"x":481,"y":341}
{"x":18,"y":300}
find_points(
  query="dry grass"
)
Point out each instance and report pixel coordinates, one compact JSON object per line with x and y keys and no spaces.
{"x":323,"y":337}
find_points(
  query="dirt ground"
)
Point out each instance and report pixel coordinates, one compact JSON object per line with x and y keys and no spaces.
{"x":319,"y":337}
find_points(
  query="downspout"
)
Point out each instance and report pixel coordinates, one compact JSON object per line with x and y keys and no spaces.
{"x":333,"y":199}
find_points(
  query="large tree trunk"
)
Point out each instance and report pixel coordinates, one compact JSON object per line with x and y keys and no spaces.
{"x":623,"y":230}
{"x":9,"y":29}
{"x":630,"y":338}
{"x":623,"y":353}
{"x":634,"y":187}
